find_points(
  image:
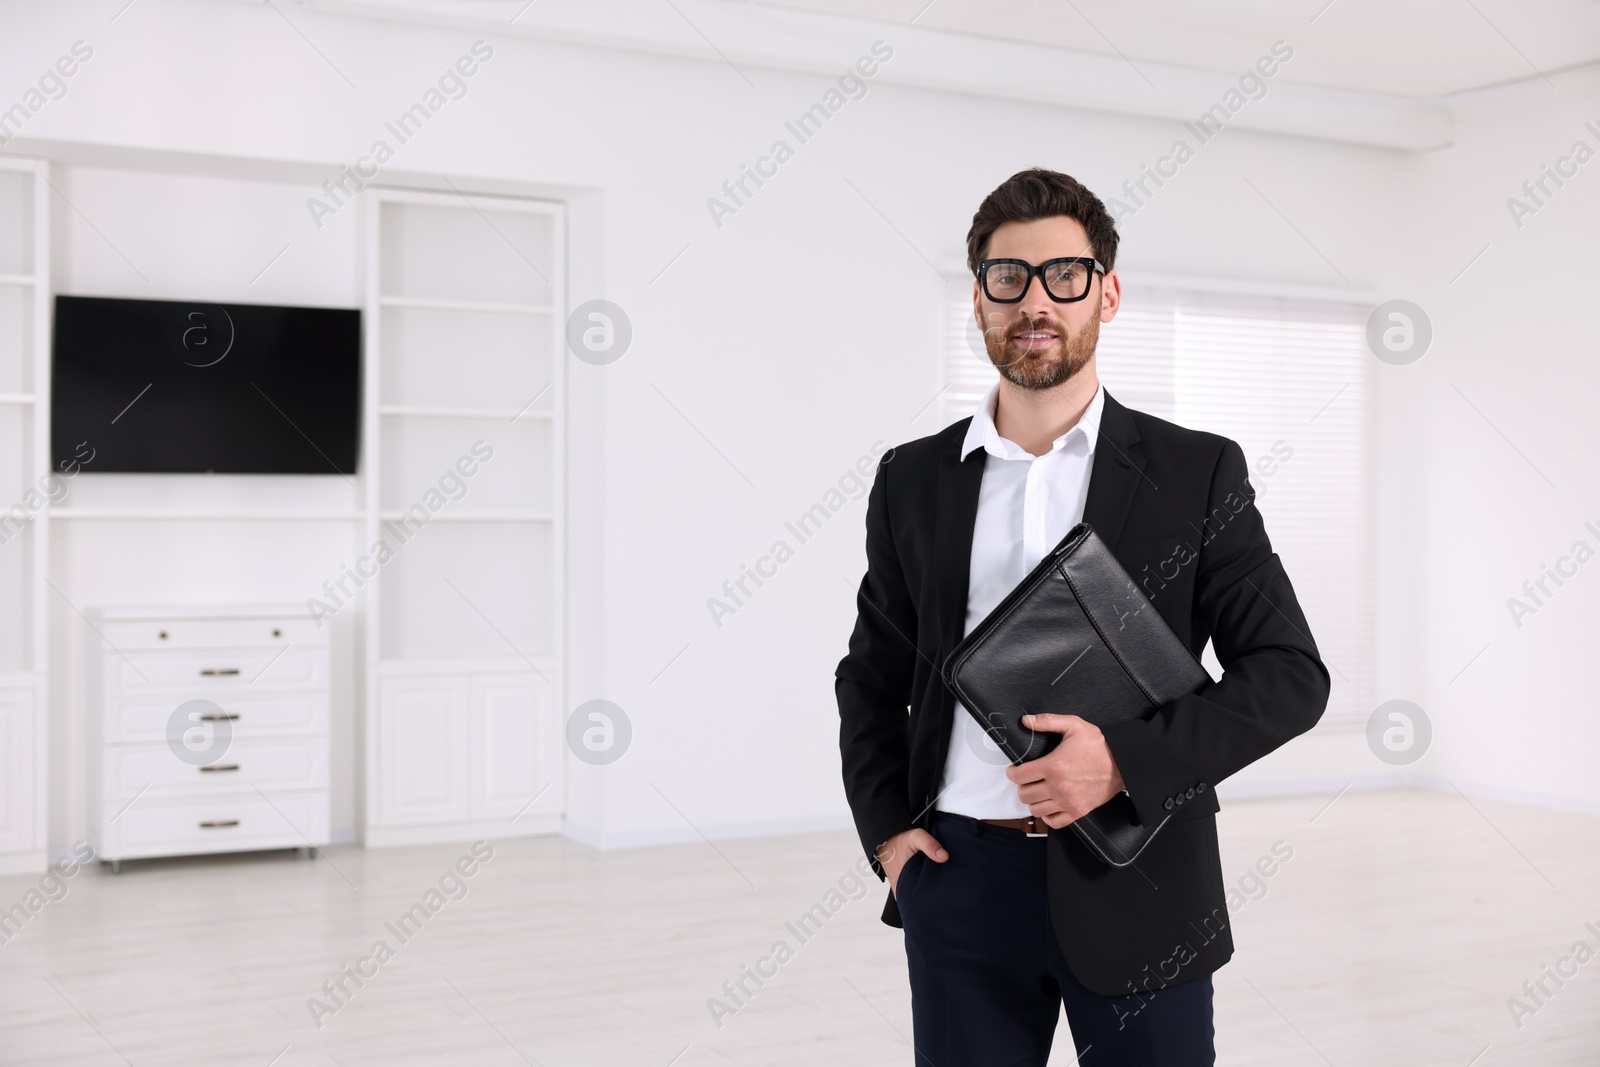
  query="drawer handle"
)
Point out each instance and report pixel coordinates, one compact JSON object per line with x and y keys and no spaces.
{"x":217,"y":672}
{"x":215,"y":767}
{"x":224,"y":717}
{"x":219,"y":824}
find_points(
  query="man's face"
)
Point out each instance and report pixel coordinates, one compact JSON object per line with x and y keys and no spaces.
{"x":1038,"y":343}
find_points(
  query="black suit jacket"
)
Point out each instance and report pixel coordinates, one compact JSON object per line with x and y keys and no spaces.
{"x":1178,"y":511}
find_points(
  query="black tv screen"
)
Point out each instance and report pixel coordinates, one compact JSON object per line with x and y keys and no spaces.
{"x":176,"y":387}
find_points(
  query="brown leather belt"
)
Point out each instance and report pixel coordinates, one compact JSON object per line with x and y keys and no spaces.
{"x":1031,"y":825}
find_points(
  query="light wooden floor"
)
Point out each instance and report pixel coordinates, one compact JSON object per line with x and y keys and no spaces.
{"x":1393,"y":936}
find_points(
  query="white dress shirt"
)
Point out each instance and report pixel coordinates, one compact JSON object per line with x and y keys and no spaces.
{"x":1026,"y":505}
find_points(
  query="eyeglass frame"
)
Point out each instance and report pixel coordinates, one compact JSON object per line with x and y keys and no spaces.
{"x":1038,"y":272}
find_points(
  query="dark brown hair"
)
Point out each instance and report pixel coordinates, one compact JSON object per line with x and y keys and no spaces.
{"x":1037,"y":193}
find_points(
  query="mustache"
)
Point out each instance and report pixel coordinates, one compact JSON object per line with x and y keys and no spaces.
{"x":1038,"y":325}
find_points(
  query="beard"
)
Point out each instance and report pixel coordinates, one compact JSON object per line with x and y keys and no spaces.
{"x":1045,"y":367}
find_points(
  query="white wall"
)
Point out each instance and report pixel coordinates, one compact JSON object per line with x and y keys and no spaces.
{"x":1505,"y":450}
{"x":773,"y":352}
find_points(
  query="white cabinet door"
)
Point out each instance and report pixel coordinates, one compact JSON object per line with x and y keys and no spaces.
{"x":424,"y":758}
{"x":16,"y":770}
{"x":511,"y":735}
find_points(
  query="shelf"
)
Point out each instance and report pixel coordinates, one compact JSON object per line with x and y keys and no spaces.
{"x":154,"y":612}
{"x":426,"y":665}
{"x":428,"y":304}
{"x":28,"y":646}
{"x":205,"y":516}
{"x":508,"y":414}
{"x":14,"y":678}
{"x":463,"y":630}
{"x":482,"y":516}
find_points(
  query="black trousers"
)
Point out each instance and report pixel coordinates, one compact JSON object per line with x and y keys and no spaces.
{"x":987,"y":975}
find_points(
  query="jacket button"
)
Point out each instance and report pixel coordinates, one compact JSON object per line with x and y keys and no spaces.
{"x":1190,"y":794}
{"x":1178,"y":798}
{"x":1167,"y":804}
{"x":1201,"y":788}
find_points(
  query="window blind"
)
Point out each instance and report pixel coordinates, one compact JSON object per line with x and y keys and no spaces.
{"x":1286,"y":379}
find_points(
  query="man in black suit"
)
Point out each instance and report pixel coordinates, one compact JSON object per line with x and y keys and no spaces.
{"x":1006,"y":915}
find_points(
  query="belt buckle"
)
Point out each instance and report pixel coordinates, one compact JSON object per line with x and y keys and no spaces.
{"x":1033,"y":821}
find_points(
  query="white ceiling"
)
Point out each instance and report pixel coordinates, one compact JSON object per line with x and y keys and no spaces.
{"x":1412,"y":48}
{"x":1384,"y":73}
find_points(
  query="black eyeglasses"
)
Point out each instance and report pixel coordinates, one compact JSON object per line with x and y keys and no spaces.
{"x":1066,"y":279}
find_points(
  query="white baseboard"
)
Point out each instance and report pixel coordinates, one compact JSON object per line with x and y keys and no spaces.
{"x":1322,"y":784}
{"x":399,"y":836}
{"x":1316,"y":785}
{"x":1319,"y":785}
{"x":1531,"y":798}
{"x":1330,"y":785}
{"x":23,"y":863}
{"x":684,"y":835}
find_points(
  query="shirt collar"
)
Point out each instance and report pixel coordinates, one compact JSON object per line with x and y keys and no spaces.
{"x":981,"y":432}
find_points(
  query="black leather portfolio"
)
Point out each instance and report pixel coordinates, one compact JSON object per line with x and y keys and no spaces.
{"x":1076,"y":637}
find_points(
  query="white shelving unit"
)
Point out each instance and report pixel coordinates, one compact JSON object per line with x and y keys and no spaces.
{"x":463,"y":461}
{"x":24,"y":512}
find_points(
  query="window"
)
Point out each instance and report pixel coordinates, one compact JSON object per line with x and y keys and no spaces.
{"x":1286,"y":379}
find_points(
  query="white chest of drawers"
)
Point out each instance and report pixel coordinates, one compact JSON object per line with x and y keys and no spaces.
{"x":208,"y":730}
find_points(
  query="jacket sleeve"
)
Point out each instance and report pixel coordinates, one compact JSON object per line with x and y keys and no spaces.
{"x":1274,"y":685}
{"x":873,"y":686}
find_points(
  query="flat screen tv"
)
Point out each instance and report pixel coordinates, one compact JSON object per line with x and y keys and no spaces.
{"x":179,"y":387}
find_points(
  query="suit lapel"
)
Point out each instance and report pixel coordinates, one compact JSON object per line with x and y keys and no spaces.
{"x":1115,"y":474}
{"x":955,"y":515}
